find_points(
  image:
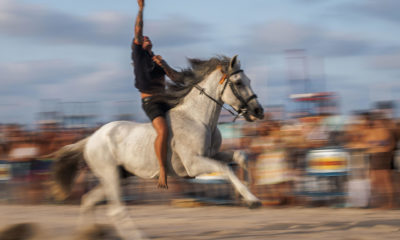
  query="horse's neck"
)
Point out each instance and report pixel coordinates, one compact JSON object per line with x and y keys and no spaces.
{"x":199,"y":106}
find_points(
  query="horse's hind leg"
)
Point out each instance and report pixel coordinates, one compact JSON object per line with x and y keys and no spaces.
{"x":102,"y":162}
{"x":109,"y":179}
{"x":88,"y":203}
{"x":90,"y":199}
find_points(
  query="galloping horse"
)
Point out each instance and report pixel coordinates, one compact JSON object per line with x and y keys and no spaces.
{"x":194,"y":139}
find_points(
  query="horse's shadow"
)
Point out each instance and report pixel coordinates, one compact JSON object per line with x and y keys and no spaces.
{"x":21,"y":231}
{"x":32,"y":231}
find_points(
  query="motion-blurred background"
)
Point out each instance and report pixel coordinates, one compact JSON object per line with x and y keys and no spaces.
{"x":326,"y":72}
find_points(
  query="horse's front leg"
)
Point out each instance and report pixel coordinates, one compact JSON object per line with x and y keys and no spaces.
{"x":197,"y":165}
{"x":238,"y":156}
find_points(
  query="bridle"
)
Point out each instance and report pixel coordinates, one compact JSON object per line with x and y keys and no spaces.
{"x":227,"y":82}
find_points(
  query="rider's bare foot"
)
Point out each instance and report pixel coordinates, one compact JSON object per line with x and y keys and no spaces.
{"x":162,"y":180}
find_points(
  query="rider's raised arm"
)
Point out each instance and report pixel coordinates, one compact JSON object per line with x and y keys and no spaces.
{"x":139,"y":24}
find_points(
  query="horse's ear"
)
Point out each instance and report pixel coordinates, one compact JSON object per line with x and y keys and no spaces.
{"x":234,"y":63}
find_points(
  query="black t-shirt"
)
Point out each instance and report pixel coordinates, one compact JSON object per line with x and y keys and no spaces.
{"x":149,"y":76}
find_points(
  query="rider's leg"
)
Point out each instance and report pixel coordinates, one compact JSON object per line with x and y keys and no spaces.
{"x":160,"y":145}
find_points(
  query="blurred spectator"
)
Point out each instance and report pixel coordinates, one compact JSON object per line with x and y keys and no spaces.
{"x":381,"y":145}
{"x":271,"y":173}
{"x":3,"y":142}
{"x":316,"y":133}
{"x":356,"y":132}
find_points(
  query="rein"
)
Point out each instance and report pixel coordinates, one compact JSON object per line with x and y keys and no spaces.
{"x":244,"y":103}
{"x":202,"y":91}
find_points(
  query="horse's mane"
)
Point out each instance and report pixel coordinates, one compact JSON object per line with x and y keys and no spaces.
{"x":189,"y":77}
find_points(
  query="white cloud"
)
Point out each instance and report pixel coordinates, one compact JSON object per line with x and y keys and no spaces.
{"x":62,"y":79}
{"x":27,"y":83}
{"x":386,"y":62}
{"x":383,"y":9}
{"x":278,"y":36}
{"x":37,"y":72}
{"x":102,"y":28}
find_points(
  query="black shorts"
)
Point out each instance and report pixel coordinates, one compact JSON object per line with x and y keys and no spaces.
{"x":153,"y":108}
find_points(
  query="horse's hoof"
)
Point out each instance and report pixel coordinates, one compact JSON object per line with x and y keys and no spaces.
{"x":254,"y":205}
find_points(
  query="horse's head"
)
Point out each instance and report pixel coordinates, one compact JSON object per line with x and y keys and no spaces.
{"x":235,"y":90}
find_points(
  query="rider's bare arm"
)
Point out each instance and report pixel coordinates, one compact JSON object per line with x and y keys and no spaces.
{"x":171,"y":73}
{"x":139,"y":24}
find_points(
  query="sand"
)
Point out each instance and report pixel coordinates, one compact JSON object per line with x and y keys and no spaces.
{"x":220,"y":222}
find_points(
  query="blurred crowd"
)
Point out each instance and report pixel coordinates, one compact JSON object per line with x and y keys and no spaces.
{"x":25,"y":171}
{"x":313,"y":159}
{"x":19,"y":144}
{"x":359,"y":153}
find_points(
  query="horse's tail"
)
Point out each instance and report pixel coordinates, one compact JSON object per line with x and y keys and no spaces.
{"x":65,"y":168}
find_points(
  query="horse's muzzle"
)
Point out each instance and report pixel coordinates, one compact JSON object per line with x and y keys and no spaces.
{"x":254,"y":114}
{"x":259,"y":113}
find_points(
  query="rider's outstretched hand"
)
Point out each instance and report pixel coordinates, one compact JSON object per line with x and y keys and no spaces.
{"x":140,"y":3}
{"x":158,"y":59}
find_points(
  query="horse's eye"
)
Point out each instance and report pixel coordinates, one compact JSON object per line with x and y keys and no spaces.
{"x":239,"y":83}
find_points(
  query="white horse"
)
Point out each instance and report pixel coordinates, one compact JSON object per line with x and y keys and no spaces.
{"x":194,"y":139}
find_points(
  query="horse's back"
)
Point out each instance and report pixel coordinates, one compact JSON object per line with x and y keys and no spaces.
{"x":120,"y":135}
{"x":125,"y":143}
{"x":121,"y":130}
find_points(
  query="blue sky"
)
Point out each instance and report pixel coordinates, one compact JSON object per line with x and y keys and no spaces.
{"x":79,"y":50}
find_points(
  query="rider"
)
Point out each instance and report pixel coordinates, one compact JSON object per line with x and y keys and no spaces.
{"x":150,"y":71}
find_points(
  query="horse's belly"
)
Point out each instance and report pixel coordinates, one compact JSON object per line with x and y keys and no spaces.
{"x":146,"y":165}
{"x":142,"y":163}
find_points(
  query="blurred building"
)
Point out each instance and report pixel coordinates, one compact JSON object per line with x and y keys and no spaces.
{"x":54,"y":113}
{"x":317,"y":103}
{"x":49,"y":113}
{"x":124,"y":110}
{"x":307,"y":97}
{"x":386,"y":108}
{"x":79,"y":114}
